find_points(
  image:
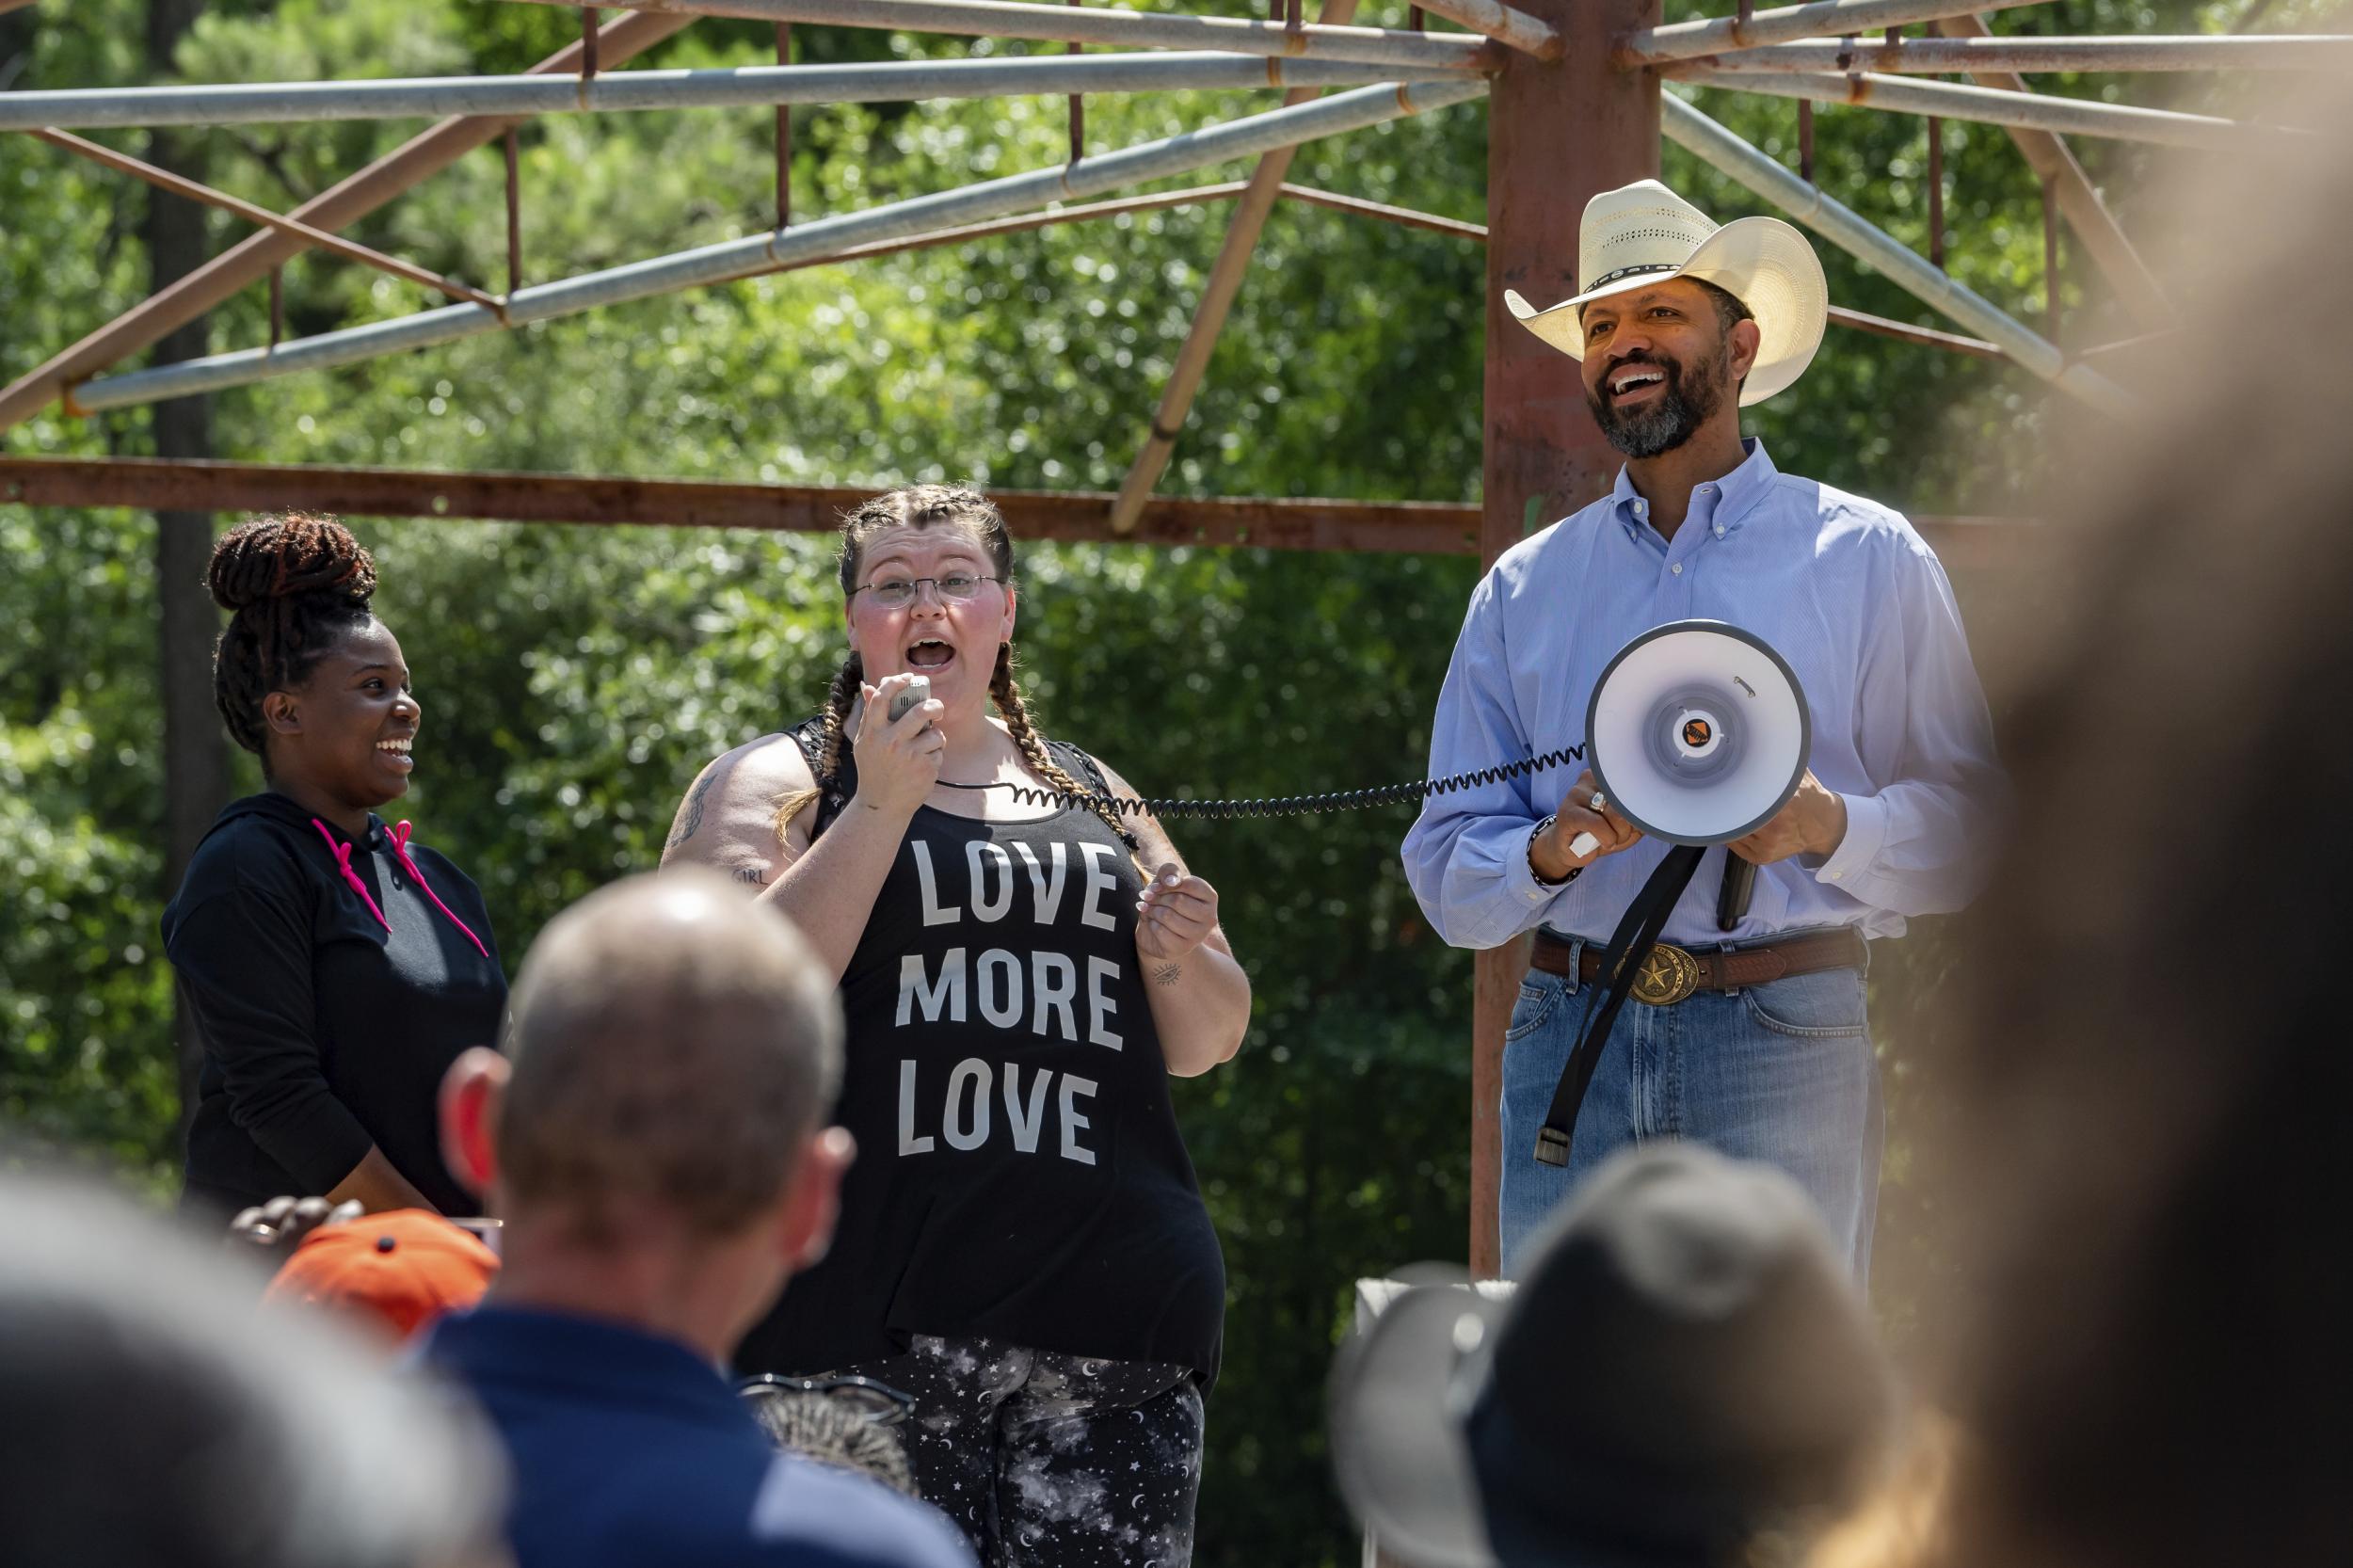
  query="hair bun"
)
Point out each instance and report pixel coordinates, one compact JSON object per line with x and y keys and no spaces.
{"x":281,"y":556}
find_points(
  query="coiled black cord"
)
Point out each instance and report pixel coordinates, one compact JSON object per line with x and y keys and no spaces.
{"x":1290,"y":805}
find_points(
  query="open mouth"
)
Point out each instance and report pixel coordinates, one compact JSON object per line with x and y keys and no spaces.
{"x":930,"y":654}
{"x":395,"y":753}
{"x":1636,"y":382}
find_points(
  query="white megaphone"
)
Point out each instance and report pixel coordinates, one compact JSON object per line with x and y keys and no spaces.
{"x":1697,"y":733}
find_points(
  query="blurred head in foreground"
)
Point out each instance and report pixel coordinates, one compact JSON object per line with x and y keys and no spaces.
{"x":655,"y":1137}
{"x":148,"y":1414}
{"x":2149,"y":1143}
{"x":1683,"y":1376}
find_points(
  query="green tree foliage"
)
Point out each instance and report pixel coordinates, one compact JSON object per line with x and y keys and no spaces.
{"x":575,"y":680}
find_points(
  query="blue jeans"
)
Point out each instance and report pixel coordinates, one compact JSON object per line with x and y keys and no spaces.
{"x":1781,"y":1073}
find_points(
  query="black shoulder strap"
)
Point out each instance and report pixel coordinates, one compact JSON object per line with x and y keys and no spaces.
{"x":1090,"y":772}
{"x":809,"y":735}
{"x":1080,"y":762}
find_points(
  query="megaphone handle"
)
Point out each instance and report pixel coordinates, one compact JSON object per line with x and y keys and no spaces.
{"x":1638,"y":932}
{"x":1739,"y":884}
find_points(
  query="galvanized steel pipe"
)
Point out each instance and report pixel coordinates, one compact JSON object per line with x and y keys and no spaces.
{"x":893,"y":81}
{"x":1994,"y":106}
{"x":1945,"y":57}
{"x":1681,"y":41}
{"x":1416,"y":53}
{"x":1865,"y":241}
{"x":739,"y":258}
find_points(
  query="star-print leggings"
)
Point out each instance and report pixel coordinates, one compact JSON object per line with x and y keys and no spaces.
{"x":1051,"y":1461}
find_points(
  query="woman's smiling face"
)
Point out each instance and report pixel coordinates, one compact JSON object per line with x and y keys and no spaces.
{"x":346,"y":730}
{"x":953,"y":642}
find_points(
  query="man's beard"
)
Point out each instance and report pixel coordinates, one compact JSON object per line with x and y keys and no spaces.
{"x":1669,"y":419}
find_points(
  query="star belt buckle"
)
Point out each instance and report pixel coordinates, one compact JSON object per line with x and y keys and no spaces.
{"x":1668,"y":975}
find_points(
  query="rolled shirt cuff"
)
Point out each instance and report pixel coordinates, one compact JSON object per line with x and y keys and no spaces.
{"x":1866,"y":833}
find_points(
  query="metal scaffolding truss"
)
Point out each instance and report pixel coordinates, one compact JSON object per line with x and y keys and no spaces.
{"x":1813,"y":52}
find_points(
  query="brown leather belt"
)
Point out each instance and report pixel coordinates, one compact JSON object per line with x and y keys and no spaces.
{"x":1671,"y":973}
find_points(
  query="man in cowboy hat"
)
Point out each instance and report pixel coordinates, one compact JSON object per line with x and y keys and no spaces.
{"x":1747,"y":1035}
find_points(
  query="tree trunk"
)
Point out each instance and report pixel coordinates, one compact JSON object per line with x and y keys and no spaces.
{"x":196,"y":760}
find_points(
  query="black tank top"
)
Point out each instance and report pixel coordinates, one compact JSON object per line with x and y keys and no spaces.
{"x":1019,"y":1173}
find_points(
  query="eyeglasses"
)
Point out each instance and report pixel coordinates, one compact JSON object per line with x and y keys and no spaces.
{"x":878,"y":1402}
{"x":897,"y":593}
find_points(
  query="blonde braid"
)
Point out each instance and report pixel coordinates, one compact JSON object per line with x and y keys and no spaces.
{"x":838,"y":699}
{"x":1033,"y":749}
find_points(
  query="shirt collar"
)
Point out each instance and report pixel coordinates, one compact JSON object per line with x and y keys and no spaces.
{"x":1736,"y":494}
{"x":599,"y":1360}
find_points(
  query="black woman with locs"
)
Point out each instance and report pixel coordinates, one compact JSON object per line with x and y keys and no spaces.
{"x":332,"y":965}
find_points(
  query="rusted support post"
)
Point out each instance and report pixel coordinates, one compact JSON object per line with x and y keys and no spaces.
{"x":514,"y":215}
{"x":1806,"y":141}
{"x":784,"y":135}
{"x":1558,"y":133}
{"x":1078,"y":107}
{"x":2049,"y":259}
{"x":1209,"y":319}
{"x":2049,"y":156}
{"x":1936,"y":192}
{"x":588,"y":44}
{"x":162,"y":179}
{"x":345,"y":203}
{"x":277,"y":305}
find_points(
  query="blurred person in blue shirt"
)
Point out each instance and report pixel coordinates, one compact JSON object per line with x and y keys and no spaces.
{"x":656,"y":1145}
{"x":1753,"y":1040}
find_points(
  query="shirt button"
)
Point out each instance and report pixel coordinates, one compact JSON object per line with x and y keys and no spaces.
{"x":1720,"y":530}
{"x":1676,"y":569}
{"x":1835,"y":875}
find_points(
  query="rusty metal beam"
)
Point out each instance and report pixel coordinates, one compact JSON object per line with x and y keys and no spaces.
{"x":1405,"y":217}
{"x":1209,"y":319}
{"x":1075,"y":517}
{"x":1062,"y":517}
{"x":340,"y":205}
{"x":2079,"y":201}
{"x":162,"y":179}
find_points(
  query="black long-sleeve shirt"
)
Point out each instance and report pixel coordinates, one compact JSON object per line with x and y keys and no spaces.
{"x":326,"y":1025}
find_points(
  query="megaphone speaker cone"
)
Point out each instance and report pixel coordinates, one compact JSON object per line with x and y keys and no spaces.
{"x":1698,"y":732}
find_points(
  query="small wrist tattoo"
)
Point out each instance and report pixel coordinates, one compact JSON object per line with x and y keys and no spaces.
{"x":1168,"y":973}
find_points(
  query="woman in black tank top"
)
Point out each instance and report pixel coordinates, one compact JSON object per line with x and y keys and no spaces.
{"x":1022,"y":1244}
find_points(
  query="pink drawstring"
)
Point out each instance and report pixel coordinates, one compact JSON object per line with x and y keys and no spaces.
{"x":400,"y":852}
{"x":343,"y":863}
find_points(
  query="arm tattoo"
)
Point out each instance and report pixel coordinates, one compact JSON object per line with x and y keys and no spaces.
{"x":690,"y":816}
{"x":752,"y":874}
{"x":1168,"y":973}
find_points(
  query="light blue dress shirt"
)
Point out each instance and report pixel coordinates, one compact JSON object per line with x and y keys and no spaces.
{"x":1848,"y":593}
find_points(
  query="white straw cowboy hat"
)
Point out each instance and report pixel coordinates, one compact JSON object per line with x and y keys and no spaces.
{"x":1635,"y":235}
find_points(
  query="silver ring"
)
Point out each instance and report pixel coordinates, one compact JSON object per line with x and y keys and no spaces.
{"x":1598,"y":804}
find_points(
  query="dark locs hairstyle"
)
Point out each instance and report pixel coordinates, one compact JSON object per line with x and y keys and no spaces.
{"x":295,"y":586}
{"x":925,"y":506}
